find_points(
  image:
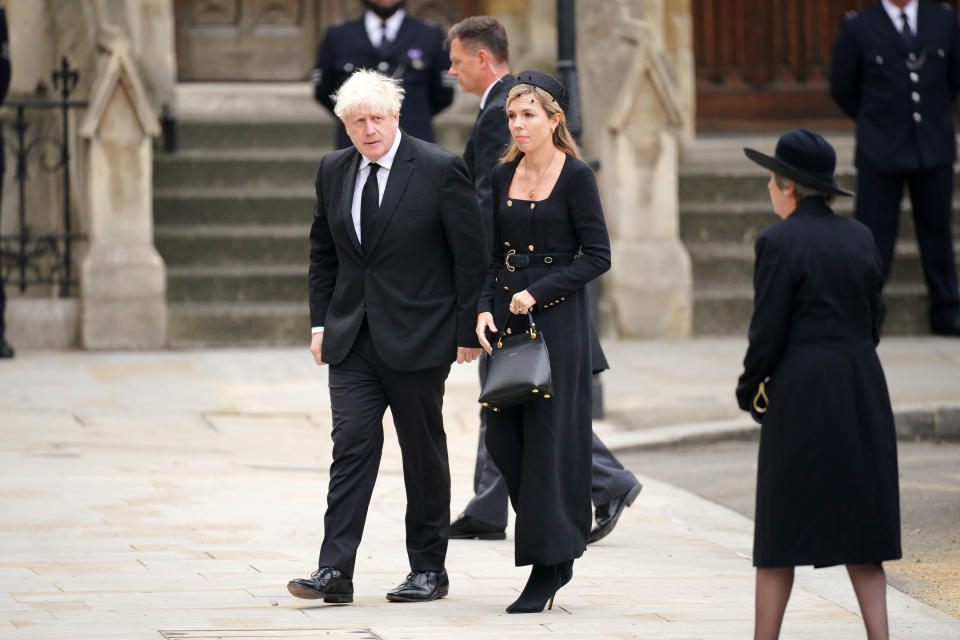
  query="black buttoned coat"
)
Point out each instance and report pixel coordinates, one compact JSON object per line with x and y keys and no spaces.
{"x":902,"y":107}
{"x":827,"y":488}
{"x":416,"y":56}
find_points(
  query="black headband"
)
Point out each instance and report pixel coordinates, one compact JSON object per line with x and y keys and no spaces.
{"x":548,"y":83}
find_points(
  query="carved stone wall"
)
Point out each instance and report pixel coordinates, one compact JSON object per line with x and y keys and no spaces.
{"x":634,"y":118}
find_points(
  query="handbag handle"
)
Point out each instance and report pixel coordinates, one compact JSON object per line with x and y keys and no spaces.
{"x":761,"y":395}
{"x":532,"y":329}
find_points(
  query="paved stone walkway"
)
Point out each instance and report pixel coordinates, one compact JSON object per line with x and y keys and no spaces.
{"x":173,"y":494}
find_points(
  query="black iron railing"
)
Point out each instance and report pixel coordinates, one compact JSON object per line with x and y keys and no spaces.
{"x":28,"y":258}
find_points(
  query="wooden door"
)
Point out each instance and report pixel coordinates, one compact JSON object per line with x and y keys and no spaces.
{"x":272,"y":39}
{"x":765,"y":64}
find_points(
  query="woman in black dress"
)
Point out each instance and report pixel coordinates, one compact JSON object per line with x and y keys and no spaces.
{"x":550,"y":240}
{"x":827,"y":489}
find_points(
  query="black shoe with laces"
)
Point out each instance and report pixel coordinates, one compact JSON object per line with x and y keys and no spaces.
{"x":468,"y":528}
{"x":421,"y":586}
{"x":328,"y":583}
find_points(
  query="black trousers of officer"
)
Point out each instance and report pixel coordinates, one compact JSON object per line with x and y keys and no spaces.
{"x":878,"y":206}
{"x":362,"y":386}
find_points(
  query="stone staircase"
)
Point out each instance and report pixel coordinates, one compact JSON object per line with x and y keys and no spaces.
{"x":724,"y":206}
{"x":232,"y":213}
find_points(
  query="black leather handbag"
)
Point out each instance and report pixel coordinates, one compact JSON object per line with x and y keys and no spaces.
{"x":517,"y":369}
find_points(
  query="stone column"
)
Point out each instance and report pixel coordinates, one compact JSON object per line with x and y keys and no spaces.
{"x":123,"y":278}
{"x":633,"y":121}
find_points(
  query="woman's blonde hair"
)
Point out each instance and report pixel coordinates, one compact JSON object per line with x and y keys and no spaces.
{"x":562,"y":139}
{"x":368,"y":89}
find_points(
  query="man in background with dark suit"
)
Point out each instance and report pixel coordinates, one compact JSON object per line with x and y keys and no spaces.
{"x":480,"y":61}
{"x":6,"y":351}
{"x":387,"y":40}
{"x":397,"y":261}
{"x":896,"y":71}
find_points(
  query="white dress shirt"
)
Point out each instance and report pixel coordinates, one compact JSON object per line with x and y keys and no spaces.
{"x":483,"y":99}
{"x":376,"y":27}
{"x":894,"y":12}
{"x":386,"y":162}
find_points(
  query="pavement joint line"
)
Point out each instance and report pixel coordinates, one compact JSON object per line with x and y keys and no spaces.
{"x":906,"y":416}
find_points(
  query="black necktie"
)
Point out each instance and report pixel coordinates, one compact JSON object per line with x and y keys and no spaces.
{"x":905,"y":31}
{"x":369,"y":205}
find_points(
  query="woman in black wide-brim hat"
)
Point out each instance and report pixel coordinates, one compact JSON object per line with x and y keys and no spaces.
{"x":827,"y":490}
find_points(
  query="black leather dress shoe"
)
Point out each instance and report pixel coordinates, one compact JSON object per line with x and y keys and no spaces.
{"x":949,"y":328}
{"x":467,"y":528}
{"x":420,"y":586}
{"x":6,"y":351}
{"x":608,"y":514}
{"x":327,"y":583}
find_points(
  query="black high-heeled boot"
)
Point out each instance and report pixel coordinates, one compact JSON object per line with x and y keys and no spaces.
{"x":541,"y":587}
{"x":565,"y":572}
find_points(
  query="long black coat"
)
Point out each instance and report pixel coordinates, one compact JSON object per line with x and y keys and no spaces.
{"x":902,"y":107}
{"x":827,"y":489}
{"x":418,"y":282}
{"x":543,"y":447}
{"x":416,"y":56}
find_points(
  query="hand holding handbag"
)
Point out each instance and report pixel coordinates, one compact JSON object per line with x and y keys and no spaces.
{"x":518,"y":368}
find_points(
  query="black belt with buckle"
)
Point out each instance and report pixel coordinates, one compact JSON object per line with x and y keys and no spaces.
{"x":515,"y":260}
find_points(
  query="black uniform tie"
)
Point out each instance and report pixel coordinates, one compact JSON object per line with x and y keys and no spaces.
{"x":905,"y":31}
{"x":369,"y":205}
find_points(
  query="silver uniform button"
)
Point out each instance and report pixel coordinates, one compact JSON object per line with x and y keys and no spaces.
{"x":879,"y":59}
{"x":941,"y":53}
{"x":914,"y":77}
{"x":917,"y":117}
{"x":383,"y":66}
{"x":348,"y":67}
{"x":915,"y":96}
{"x":912,"y":56}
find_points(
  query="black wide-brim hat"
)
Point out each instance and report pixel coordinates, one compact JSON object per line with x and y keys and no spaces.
{"x":804,"y":157}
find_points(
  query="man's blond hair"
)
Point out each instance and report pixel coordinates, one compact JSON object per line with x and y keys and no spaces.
{"x":367,"y":89}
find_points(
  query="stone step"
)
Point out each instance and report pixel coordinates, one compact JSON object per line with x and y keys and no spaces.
{"x":238,"y":284}
{"x":743,"y":221}
{"x":250,"y":245}
{"x":450,"y":131}
{"x":217,"y":325}
{"x":238,"y":169}
{"x":261,"y":134}
{"x":718,"y":264}
{"x":727,"y":310}
{"x":184,"y":207}
{"x":709,"y":184}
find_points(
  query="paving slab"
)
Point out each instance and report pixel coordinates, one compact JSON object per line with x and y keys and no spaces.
{"x":173,"y":494}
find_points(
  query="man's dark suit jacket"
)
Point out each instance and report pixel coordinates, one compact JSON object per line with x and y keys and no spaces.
{"x":902,"y":107}
{"x":488,"y":141}
{"x":419,"y":280}
{"x":416,"y":56}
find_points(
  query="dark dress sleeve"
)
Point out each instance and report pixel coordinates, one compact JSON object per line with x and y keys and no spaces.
{"x":845,"y":69}
{"x":586,"y":214}
{"x":770,"y":324}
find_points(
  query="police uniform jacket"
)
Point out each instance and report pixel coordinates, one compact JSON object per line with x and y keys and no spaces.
{"x":901,"y":99}
{"x":827,"y":488}
{"x":415,"y":55}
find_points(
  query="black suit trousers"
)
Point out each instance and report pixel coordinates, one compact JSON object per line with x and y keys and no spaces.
{"x":362,"y":386}
{"x":878,"y":206}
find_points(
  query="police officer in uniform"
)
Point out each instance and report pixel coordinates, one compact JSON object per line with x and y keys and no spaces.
{"x":896,"y":71}
{"x":387,"y":40}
